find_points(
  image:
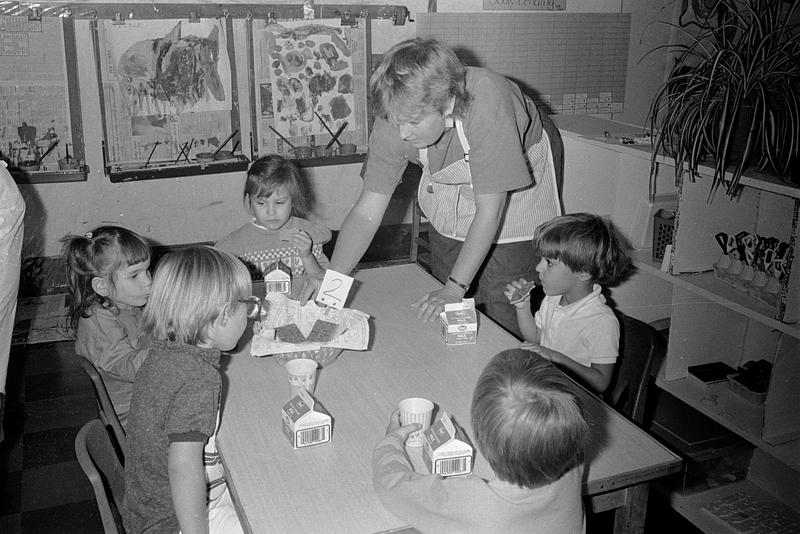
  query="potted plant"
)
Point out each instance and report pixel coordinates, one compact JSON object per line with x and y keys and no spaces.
{"x":733,"y":95}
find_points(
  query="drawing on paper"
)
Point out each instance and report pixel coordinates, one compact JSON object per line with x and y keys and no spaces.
{"x":312,"y":74}
{"x":180,"y":70}
{"x":167,"y":87}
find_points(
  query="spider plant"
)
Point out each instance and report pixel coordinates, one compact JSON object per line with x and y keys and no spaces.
{"x":736,"y":81}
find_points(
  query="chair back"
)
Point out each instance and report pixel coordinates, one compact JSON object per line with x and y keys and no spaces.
{"x":641,"y":349}
{"x":107,"y":413}
{"x":103,"y":467}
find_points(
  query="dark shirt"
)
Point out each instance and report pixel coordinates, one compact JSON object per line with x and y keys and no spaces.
{"x":175,"y":398}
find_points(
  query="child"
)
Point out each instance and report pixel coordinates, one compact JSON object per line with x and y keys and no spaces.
{"x":174,"y":478}
{"x":278,"y":196}
{"x":108,"y":278}
{"x":574,"y":328}
{"x":529,"y":426}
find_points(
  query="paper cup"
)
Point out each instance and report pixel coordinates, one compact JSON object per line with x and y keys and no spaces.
{"x":302,"y":375}
{"x":415,"y":410}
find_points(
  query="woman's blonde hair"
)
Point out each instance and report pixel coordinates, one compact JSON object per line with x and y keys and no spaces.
{"x":417,"y":77}
{"x":190,"y":289}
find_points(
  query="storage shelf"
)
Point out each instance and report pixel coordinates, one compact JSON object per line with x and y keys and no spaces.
{"x":710,"y":287}
{"x":691,"y":506}
{"x":733,"y":412}
{"x":591,"y":129}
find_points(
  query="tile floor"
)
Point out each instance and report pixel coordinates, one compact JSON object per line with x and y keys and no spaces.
{"x":42,"y":488}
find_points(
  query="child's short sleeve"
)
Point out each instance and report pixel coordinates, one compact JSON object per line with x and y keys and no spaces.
{"x":193,"y":414}
{"x":601,"y":339}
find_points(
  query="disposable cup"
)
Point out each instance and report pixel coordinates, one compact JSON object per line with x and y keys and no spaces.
{"x":415,"y":410}
{"x":302,"y":375}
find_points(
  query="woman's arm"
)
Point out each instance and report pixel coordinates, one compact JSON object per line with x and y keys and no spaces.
{"x":480,"y":236}
{"x":187,"y":483}
{"x":358,"y":230}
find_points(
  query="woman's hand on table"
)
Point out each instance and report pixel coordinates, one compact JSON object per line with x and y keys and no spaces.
{"x":309,"y":288}
{"x":401,"y":431}
{"x":430,"y":305}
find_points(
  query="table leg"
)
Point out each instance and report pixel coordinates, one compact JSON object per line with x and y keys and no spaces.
{"x":630,"y":517}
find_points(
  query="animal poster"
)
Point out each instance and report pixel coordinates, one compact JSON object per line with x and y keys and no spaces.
{"x":167,"y":88}
{"x":34,"y":115}
{"x":311,"y":79}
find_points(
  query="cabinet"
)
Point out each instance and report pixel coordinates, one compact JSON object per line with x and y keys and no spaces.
{"x":710,"y":320}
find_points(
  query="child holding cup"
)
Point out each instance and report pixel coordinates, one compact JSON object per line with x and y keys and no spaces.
{"x":528,"y":424}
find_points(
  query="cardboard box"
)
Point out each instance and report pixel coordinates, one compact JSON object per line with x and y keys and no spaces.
{"x":305,"y":422}
{"x":459,"y":322}
{"x":445,"y":448}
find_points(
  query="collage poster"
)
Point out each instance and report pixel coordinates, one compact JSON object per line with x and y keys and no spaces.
{"x":34,"y":115}
{"x":167,"y":88}
{"x":310,"y":80}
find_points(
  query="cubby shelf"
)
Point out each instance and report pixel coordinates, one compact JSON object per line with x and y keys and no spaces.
{"x":710,"y":287}
{"x":731,"y":411}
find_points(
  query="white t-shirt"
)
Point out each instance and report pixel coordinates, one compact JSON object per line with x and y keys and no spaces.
{"x":586,"y":331}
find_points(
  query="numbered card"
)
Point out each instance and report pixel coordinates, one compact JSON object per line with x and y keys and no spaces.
{"x":334,"y":289}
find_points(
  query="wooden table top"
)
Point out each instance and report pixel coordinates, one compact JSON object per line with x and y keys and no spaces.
{"x":328,"y":487}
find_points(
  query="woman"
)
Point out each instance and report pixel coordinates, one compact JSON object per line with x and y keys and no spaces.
{"x":488,"y":178}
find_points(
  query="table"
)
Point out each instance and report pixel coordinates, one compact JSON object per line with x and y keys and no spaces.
{"x":328,"y":488}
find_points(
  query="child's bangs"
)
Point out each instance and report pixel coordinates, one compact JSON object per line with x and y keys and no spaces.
{"x":134,"y":251}
{"x":551,"y":245}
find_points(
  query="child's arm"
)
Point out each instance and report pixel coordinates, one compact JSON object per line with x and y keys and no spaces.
{"x":597,"y":377}
{"x":187,"y":482}
{"x":108,"y":346}
{"x":525,"y":319}
{"x":305,"y":245}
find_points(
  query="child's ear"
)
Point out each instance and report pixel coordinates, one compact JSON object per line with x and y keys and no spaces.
{"x":101,"y":286}
{"x":584,"y":277}
{"x":224,"y":315}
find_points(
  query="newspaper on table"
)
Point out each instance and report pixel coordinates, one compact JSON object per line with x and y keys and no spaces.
{"x":289,"y":327}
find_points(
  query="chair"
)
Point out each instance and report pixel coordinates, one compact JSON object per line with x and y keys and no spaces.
{"x":103,"y":467}
{"x":106,"y":409}
{"x":641,"y":349}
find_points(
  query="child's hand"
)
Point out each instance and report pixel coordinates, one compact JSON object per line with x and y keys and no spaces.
{"x":518,"y":292}
{"x":402,"y":431}
{"x":301,"y":240}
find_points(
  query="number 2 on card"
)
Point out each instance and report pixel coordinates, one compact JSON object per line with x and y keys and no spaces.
{"x":334,"y":289}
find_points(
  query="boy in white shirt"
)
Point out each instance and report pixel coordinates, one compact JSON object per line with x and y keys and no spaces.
{"x":574,"y":328}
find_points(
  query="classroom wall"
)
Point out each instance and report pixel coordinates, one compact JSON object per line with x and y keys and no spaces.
{"x":204,"y":208}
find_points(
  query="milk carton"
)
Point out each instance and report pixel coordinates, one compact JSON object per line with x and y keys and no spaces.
{"x":445,"y":448}
{"x":305,"y":422}
{"x":459,"y":322}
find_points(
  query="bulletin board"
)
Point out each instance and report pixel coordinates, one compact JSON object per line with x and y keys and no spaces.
{"x":572,"y":62}
{"x":40,"y":120}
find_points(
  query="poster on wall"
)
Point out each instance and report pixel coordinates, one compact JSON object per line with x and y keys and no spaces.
{"x":311,"y":83}
{"x":35,"y":121}
{"x":167,"y":89}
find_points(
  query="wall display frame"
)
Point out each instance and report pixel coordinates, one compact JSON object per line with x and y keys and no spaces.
{"x":41,"y":135}
{"x":309,"y":87}
{"x":167,"y":77}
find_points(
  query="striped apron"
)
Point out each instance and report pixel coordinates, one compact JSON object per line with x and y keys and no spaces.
{"x":448,"y":200}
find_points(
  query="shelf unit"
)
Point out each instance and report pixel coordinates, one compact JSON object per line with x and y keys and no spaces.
{"x":711,"y":320}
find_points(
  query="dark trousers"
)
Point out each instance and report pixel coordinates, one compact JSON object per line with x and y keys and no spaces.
{"x":503,"y":263}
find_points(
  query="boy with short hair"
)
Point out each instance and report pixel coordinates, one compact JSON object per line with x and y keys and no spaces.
{"x":529,"y":426}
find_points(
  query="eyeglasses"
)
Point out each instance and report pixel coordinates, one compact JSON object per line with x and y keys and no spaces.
{"x":256,"y":307}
